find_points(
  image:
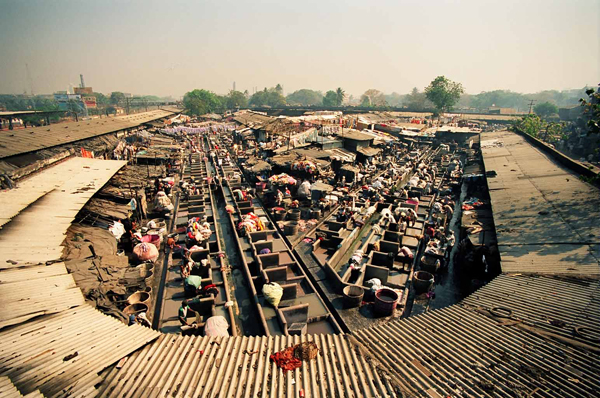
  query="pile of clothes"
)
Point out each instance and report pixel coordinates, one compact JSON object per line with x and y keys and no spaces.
{"x":240,"y":194}
{"x":305,"y":165}
{"x":471,"y":203}
{"x":251,"y":223}
{"x":282,"y":179}
{"x":307,"y":225}
{"x":145,"y":252}
{"x":199,"y":229}
{"x":162,"y":202}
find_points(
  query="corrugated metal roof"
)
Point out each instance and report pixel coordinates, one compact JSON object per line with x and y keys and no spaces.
{"x":62,"y":354}
{"x":8,"y":390}
{"x":35,"y":138}
{"x":26,"y":293}
{"x":36,"y":186}
{"x":240,"y":367}
{"x":369,"y":151}
{"x":36,"y":234}
{"x":556,"y":305}
{"x":458,"y":352}
{"x":547,"y":219}
{"x":49,"y":338}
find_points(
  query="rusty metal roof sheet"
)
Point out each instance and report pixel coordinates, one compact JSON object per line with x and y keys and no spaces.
{"x":31,"y":189}
{"x":41,"y":226}
{"x":547,"y":219}
{"x":240,"y":367}
{"x":33,"y":291}
{"x":61,"y":354}
{"x":459,"y":352}
{"x":32,"y":139}
{"x":566,"y":307}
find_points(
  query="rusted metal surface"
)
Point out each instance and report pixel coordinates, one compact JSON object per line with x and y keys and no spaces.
{"x":240,"y":367}
{"x":47,"y":207}
{"x":563,"y":306}
{"x":35,"y":138}
{"x":62,"y":353}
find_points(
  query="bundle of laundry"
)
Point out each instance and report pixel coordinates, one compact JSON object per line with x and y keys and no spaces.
{"x":251,"y":223}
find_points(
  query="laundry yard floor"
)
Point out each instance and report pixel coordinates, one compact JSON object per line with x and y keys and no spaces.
{"x":324,"y":271}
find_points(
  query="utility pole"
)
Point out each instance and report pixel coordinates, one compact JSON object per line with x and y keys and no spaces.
{"x":531,"y":105}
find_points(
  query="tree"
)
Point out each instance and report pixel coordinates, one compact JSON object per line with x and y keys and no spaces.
{"x":236,"y":99}
{"x":74,"y":108}
{"x":394,"y":99}
{"x":279,"y":89}
{"x":591,"y":110}
{"x":340,"y":96}
{"x":545,"y":109}
{"x":372,"y":98}
{"x":305,"y":97}
{"x":268,"y":97}
{"x":330,"y":98}
{"x":116,"y":97}
{"x":529,"y":124}
{"x":444,"y":93}
{"x":417,"y":101}
{"x":200,"y":102}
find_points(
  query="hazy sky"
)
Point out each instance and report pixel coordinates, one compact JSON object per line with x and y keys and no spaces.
{"x":170,"y":47}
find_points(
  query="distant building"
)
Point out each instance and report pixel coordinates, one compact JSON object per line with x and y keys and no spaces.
{"x":570,"y":113}
{"x":83,"y":90}
{"x":63,"y":99}
{"x":128,"y":95}
{"x":495,"y":110}
{"x":90,"y":102}
{"x":353,"y":140}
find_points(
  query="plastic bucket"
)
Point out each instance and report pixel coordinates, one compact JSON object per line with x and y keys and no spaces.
{"x":422,"y":281}
{"x":430,"y":264}
{"x":291,"y":228}
{"x":386,"y":301}
{"x":353,"y":296}
{"x":145,"y":269}
{"x":280,"y":215}
{"x":294,"y":214}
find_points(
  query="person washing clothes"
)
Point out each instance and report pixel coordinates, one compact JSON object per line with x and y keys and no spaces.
{"x":183,"y":313}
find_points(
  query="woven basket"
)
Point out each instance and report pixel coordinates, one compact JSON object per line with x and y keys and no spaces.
{"x":306,"y":351}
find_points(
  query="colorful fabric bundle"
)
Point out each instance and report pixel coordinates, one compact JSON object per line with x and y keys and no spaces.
{"x":306,"y":166}
{"x":251,"y":223}
{"x":282,"y":179}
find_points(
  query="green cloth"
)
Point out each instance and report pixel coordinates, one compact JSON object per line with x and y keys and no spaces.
{"x":192,"y":283}
{"x":194,"y":280}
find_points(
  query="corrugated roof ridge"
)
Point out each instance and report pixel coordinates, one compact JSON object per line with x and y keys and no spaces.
{"x":240,"y":366}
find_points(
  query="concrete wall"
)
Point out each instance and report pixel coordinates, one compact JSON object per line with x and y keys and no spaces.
{"x":559,"y":157}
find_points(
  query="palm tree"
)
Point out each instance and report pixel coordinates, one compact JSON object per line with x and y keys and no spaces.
{"x":340,"y":94}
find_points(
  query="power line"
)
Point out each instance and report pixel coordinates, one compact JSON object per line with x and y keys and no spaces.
{"x":531,"y":105}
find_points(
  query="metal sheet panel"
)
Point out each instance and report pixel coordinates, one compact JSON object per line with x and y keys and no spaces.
{"x":240,"y":367}
{"x":31,"y":139}
{"x":555,"y":305}
{"x":31,"y":189}
{"x":61,"y":354}
{"x":457,"y":351}
{"x":41,"y":227}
